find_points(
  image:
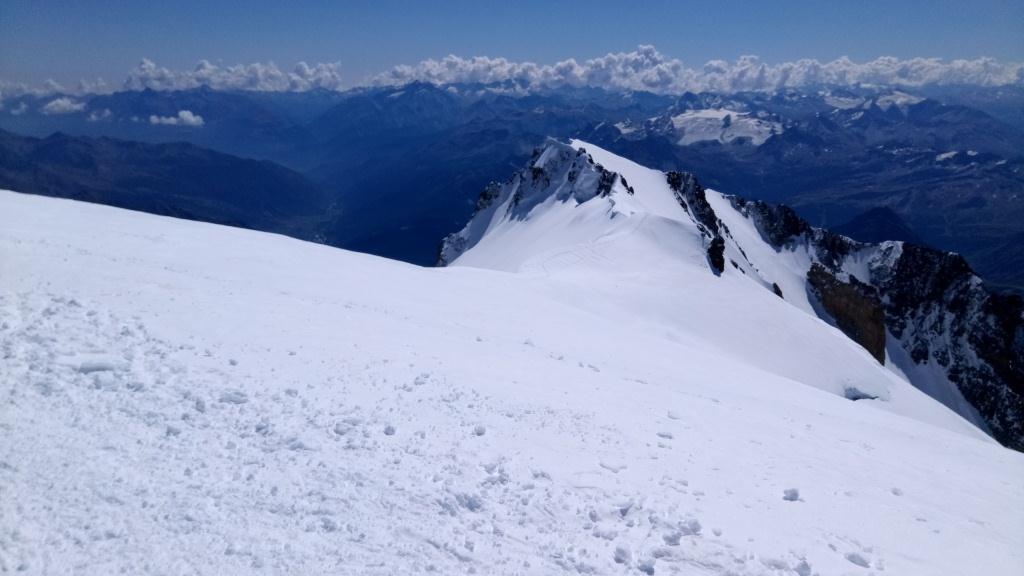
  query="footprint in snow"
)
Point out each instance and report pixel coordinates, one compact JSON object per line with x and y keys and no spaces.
{"x":858,"y":559}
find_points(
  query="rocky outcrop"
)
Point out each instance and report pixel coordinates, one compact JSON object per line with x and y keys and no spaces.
{"x":693,"y":198}
{"x":716,"y":254}
{"x":854,"y":306}
{"x":488,"y":196}
{"x":781,"y":226}
{"x":943,"y":313}
{"x":935,"y":308}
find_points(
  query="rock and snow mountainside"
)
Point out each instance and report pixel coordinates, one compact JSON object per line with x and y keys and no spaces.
{"x":919,"y":311}
{"x":186,"y":398}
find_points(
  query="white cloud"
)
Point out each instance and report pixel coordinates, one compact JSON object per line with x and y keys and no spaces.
{"x":20,"y":109}
{"x":97,"y":86}
{"x":642,"y":69}
{"x":647,"y":69}
{"x":63,"y":105}
{"x":100,"y":115}
{"x":258,"y":76}
{"x":184,"y":118}
{"x":47,"y":88}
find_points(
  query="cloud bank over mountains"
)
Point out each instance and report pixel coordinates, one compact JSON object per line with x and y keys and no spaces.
{"x":257,"y":76}
{"x":642,"y":69}
{"x":647,"y":69}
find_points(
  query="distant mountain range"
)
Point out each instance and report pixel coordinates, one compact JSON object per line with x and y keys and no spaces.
{"x":177,"y":179}
{"x":404,"y":165}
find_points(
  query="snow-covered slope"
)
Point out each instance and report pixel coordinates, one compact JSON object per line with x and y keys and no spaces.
{"x":580,"y":211}
{"x":185,"y":398}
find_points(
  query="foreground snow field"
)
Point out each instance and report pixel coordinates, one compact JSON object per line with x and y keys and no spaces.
{"x":184,"y":398}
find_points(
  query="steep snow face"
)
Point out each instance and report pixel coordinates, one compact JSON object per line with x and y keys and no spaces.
{"x":187,"y":398}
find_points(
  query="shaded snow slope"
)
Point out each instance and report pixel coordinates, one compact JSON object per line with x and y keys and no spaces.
{"x":184,"y":398}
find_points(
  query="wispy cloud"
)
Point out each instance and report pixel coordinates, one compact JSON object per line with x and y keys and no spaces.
{"x":184,"y":118}
{"x":63,"y":105}
{"x":100,"y":115}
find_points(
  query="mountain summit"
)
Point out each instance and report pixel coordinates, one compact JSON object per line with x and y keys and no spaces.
{"x":919,"y":312}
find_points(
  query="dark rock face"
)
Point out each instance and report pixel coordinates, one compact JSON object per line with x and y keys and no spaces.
{"x":606,"y":181}
{"x":780,"y":226}
{"x":934,"y":305}
{"x":488,"y":196}
{"x":855,"y":307}
{"x":716,"y":254}
{"x":941,"y":311}
{"x":692,"y":197}
{"x":778,"y":223}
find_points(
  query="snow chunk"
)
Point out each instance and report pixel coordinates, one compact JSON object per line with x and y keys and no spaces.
{"x":234,"y":397}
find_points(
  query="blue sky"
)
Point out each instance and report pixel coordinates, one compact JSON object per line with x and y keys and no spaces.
{"x":72,"y":40}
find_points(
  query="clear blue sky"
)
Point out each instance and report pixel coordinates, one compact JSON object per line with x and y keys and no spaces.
{"x":67,"y":41}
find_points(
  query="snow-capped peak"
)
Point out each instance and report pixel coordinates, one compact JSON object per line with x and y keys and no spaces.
{"x":578,"y":210}
{"x":571,"y":194}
